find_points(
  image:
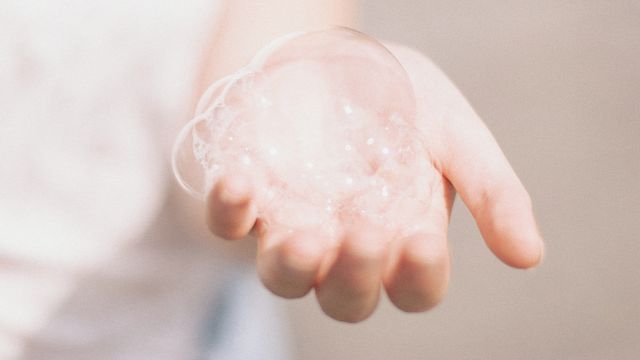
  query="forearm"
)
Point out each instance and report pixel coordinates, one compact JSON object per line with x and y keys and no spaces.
{"x":247,"y":25}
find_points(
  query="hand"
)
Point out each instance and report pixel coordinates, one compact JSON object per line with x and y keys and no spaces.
{"x":414,"y":271}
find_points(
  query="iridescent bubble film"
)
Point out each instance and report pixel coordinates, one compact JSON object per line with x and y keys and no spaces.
{"x":324,"y":125}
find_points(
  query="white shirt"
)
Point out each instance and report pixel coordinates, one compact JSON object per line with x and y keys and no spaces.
{"x":93,"y":264}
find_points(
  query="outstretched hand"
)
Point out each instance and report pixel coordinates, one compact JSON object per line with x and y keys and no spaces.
{"x":414,"y":271}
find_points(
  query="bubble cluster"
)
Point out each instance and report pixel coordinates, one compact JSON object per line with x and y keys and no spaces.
{"x":324,"y":124}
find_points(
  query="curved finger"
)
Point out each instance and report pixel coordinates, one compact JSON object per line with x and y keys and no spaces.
{"x":417,"y":272}
{"x":486,"y":182}
{"x":350,"y":289}
{"x":288,"y":265}
{"x":231,"y":212}
{"x":470,"y":158}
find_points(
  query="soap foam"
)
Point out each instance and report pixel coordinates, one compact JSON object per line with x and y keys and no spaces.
{"x":324,"y":124}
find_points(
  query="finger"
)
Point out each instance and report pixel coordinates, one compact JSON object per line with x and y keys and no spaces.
{"x":417,"y":272}
{"x":350,"y":289}
{"x":231,"y":212}
{"x":467,"y":154}
{"x":498,"y":201}
{"x":288,"y":265}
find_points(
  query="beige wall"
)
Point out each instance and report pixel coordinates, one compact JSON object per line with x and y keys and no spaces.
{"x":558,"y":82}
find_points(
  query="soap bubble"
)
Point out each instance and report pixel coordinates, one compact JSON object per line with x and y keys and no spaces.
{"x":324,"y":124}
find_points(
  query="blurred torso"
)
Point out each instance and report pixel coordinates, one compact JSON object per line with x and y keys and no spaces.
{"x":92,"y":261}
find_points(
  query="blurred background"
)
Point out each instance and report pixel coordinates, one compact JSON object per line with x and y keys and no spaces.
{"x":558,"y":83}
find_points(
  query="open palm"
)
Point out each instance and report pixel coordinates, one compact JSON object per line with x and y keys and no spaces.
{"x":414,"y":271}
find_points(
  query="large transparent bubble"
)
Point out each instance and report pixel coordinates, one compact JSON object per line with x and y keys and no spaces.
{"x":324,"y":124}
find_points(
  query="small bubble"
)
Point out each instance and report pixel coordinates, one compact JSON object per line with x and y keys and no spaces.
{"x":264,"y":102}
{"x":370,"y":141}
{"x":348,"y":109}
{"x":273,"y":151}
{"x":347,"y":147}
{"x":396,"y":118}
{"x":385,"y":150}
{"x":349,"y":181}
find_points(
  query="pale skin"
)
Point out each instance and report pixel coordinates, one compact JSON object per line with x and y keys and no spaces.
{"x":414,"y":271}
